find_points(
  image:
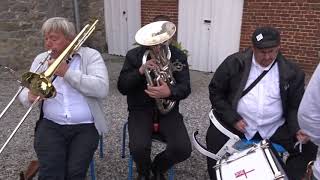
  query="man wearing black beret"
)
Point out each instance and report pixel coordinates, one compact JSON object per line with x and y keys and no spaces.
{"x":256,"y":95}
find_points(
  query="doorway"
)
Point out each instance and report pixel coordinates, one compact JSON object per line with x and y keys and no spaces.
{"x":122,"y":20}
{"x":211,"y":32}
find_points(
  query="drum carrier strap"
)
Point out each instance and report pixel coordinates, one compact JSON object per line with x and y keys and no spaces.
{"x":228,"y":147}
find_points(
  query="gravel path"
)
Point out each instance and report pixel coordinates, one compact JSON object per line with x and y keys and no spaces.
{"x":20,"y":150}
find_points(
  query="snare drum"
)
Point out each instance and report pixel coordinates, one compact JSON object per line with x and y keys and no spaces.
{"x":256,"y":162}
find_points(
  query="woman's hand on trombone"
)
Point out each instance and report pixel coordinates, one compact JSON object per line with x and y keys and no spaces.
{"x":31,"y":97}
{"x":62,"y":69}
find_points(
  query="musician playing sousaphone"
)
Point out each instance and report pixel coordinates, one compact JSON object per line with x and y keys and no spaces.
{"x":255,"y":94}
{"x":67,"y":133}
{"x":155,"y":77}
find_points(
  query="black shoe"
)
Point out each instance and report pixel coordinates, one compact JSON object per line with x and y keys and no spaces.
{"x":143,"y":177}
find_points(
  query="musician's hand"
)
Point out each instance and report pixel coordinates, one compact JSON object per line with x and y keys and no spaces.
{"x":302,"y":137}
{"x":31,"y":97}
{"x":150,"y":64}
{"x":240,"y":126}
{"x":62,"y":69}
{"x":157,"y":92}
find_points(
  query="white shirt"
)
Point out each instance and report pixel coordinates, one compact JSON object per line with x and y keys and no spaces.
{"x":261,"y":107}
{"x":309,"y":115}
{"x":69,"y":106}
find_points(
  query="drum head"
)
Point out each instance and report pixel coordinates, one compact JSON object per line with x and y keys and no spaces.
{"x":251,"y":164}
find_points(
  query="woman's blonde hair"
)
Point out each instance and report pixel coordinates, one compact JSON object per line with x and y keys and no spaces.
{"x":59,"y":24}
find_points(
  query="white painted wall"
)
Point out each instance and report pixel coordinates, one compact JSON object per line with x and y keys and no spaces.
{"x":209,"y":30}
{"x":122,"y":20}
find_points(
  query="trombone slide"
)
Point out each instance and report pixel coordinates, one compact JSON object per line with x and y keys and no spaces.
{"x":18,"y":126}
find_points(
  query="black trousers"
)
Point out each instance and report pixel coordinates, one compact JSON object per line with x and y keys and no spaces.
{"x":295,"y":165}
{"x":64,"y":151}
{"x":172,"y":128}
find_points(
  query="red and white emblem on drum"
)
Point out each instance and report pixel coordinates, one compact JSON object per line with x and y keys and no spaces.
{"x":242,"y":173}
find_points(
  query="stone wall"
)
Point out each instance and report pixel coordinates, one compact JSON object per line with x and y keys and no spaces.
{"x":21,"y":21}
{"x":89,"y":11}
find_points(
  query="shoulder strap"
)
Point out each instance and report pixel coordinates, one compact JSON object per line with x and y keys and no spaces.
{"x":257,"y":80}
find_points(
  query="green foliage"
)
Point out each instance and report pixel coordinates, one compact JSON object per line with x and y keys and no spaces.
{"x":179,"y":46}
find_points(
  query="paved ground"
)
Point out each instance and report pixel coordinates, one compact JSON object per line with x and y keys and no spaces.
{"x":20,"y":150}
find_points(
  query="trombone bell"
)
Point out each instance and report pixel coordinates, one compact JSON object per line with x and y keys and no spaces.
{"x":38,"y":84}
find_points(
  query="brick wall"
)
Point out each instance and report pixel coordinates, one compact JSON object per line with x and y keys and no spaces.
{"x":298,"y":21}
{"x":152,"y":8}
{"x":21,"y":21}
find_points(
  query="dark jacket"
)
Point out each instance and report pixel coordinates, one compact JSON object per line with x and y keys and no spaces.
{"x":132,"y":84}
{"x":230,"y":79}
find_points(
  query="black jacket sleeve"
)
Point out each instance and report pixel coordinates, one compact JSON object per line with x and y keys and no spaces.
{"x":222,"y":89}
{"x":182,"y":88}
{"x":130,"y":79}
{"x":295,"y":91}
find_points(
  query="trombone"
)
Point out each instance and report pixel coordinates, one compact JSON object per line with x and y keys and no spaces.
{"x":40,"y":84}
{"x":22,"y":87}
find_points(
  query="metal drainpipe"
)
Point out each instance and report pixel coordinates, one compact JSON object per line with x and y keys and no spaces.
{"x":76,"y":14}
